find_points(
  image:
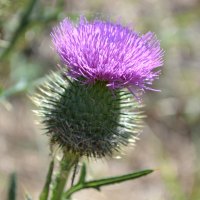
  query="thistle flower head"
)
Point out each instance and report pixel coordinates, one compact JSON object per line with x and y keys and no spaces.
{"x":104,"y":51}
{"x":86,"y":107}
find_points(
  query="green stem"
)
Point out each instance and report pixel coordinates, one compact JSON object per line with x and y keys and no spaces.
{"x":66,"y":164}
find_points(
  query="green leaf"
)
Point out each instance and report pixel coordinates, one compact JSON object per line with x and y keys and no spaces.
{"x":12,"y":187}
{"x":96,"y":184}
{"x":45,"y":192}
{"x":83,"y":174}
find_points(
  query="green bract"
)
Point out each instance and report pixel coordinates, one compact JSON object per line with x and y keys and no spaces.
{"x":87,"y":119}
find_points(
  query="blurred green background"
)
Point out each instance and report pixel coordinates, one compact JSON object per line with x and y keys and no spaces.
{"x":170,"y":141}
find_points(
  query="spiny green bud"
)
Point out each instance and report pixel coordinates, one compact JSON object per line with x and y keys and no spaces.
{"x":87,"y":119}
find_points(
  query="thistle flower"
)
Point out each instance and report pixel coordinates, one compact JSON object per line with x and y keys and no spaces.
{"x":104,"y":51}
{"x":86,"y":108}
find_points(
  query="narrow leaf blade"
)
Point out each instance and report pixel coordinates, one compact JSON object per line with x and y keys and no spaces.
{"x":97,"y":184}
{"x":117,"y":179}
{"x":83,"y":174}
{"x":12,"y":187}
{"x":45,"y":192}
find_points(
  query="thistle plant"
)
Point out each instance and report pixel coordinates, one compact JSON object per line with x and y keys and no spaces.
{"x":91,"y":107}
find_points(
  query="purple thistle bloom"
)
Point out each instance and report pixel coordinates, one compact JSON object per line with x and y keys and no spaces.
{"x":108,"y":52}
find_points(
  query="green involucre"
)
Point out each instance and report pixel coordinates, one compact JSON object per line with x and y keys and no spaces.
{"x":87,"y":119}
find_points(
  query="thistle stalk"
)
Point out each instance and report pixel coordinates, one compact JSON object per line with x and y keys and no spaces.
{"x":67,"y":162}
